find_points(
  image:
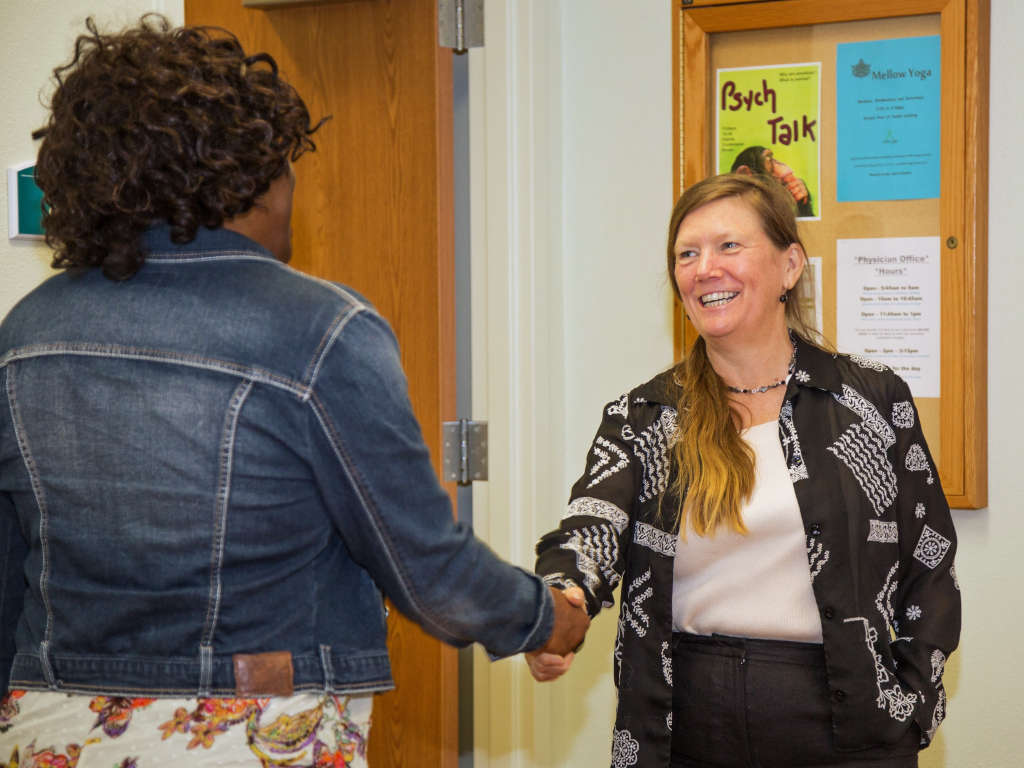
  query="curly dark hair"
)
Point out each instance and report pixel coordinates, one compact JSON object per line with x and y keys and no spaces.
{"x":160,"y":125}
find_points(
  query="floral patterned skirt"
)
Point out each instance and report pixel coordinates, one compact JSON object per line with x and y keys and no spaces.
{"x":309,"y":730}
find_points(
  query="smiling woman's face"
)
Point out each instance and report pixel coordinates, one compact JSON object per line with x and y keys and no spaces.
{"x":729,"y":273}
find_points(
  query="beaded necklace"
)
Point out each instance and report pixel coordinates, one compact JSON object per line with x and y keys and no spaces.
{"x":766,"y":387}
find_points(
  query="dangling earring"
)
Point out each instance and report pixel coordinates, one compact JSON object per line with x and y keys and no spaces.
{"x":784,"y":297}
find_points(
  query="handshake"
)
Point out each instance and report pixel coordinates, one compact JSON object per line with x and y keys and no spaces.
{"x":571,"y":624}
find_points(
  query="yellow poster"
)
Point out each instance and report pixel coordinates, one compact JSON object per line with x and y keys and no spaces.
{"x":769,"y":122}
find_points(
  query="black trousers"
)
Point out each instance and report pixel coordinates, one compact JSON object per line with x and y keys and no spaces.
{"x":740,"y":703}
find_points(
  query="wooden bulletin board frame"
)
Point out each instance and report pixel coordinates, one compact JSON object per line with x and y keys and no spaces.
{"x":955,"y":423}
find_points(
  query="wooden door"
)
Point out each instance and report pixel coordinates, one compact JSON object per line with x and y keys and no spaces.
{"x":374,"y":210}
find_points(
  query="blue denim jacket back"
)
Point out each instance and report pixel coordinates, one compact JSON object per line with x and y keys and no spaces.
{"x":218,"y":457}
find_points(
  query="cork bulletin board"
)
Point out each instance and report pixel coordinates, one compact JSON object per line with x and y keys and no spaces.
{"x":777,"y":74}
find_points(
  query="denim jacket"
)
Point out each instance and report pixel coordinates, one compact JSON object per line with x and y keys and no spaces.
{"x":219,"y":457}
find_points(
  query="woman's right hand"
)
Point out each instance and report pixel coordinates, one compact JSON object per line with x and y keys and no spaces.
{"x":546,"y":666}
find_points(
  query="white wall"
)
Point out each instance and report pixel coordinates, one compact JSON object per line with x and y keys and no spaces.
{"x":35,"y":37}
{"x":986,"y":683}
{"x":570,"y":125}
{"x":617,"y":313}
{"x":610,"y":63}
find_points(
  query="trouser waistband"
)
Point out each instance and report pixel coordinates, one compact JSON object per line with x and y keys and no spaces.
{"x":752,"y":648}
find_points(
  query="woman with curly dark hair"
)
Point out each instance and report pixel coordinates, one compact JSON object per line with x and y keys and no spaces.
{"x":160,"y":126}
{"x":209,"y":467}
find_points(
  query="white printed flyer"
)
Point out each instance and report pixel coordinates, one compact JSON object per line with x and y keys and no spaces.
{"x":888,"y":305}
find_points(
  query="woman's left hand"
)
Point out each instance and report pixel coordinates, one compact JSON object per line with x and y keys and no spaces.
{"x":550,"y":666}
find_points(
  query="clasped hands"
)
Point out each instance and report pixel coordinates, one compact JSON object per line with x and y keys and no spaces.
{"x":571,"y":623}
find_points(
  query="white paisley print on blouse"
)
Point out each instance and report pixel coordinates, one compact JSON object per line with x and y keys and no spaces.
{"x":590,"y":507}
{"x":883,"y":531}
{"x":652,"y":447}
{"x":939,"y":713}
{"x":666,"y":667}
{"x":903,"y":414}
{"x":938,"y":665}
{"x":883,"y":600}
{"x":609,"y":459}
{"x":891,"y":697}
{"x":817,"y":556}
{"x":916,"y":461}
{"x":791,"y":444}
{"x":625,"y":749}
{"x":634,"y":601}
{"x":597,"y":549}
{"x":864,"y":408}
{"x":863,"y":452}
{"x":559,"y":580}
{"x":931,"y":547}
{"x":647,"y":535}
{"x":617,"y":653}
{"x":938,"y":660}
{"x":867,"y":362}
{"x":619,"y":408}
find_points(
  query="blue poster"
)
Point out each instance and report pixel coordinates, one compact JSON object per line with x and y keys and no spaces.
{"x":888,"y":119}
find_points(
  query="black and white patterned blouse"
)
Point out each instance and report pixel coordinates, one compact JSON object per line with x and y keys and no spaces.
{"x":880,"y":546}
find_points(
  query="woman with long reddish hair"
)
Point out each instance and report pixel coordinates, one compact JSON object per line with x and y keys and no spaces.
{"x":773,"y":518}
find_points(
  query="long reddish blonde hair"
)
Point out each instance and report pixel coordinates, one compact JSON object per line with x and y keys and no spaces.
{"x":715,"y":467}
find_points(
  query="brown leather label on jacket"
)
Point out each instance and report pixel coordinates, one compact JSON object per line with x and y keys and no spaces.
{"x":264,"y":674}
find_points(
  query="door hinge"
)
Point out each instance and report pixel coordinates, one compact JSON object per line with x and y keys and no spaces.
{"x":465,"y":451}
{"x":460,"y":24}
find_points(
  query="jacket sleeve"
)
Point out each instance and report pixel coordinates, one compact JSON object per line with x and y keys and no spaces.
{"x":926,"y":605}
{"x":12,"y":584}
{"x":589,"y":545}
{"x":380,"y":487}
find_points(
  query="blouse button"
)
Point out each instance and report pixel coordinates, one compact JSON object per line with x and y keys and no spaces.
{"x":839,"y":696}
{"x":815,"y":529}
{"x":829,"y":613}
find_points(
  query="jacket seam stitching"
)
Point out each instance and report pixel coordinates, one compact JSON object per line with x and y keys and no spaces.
{"x":7,"y":540}
{"x":256,"y":374}
{"x":326,"y":343}
{"x":371,"y":511}
{"x":371,"y":686}
{"x":40,"y":497}
{"x":198,"y":257}
{"x":222,"y":497}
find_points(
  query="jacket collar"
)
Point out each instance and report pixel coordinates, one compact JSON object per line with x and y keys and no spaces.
{"x":158,"y":245}
{"x":662,"y":389}
{"x":815,"y":368}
